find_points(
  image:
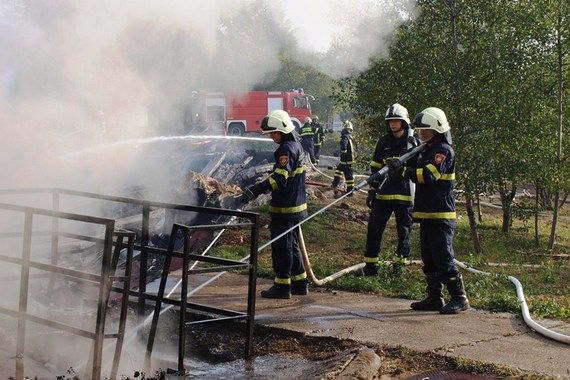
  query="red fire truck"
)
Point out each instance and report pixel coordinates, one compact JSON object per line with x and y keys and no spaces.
{"x":239,"y":113}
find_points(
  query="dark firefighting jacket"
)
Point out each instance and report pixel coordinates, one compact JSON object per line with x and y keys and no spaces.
{"x":319,"y":134}
{"x":347,"y":148}
{"x":434,"y":174}
{"x":286,"y":182}
{"x":396,"y":189}
{"x":307,"y":131}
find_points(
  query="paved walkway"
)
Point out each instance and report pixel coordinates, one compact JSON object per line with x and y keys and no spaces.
{"x":498,"y":338}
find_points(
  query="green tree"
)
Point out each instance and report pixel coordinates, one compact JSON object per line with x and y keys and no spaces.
{"x":478,"y":61}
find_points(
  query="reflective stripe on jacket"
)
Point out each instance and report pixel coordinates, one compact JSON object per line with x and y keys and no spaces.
{"x":287,"y":182}
{"x":434,"y":174}
{"x":347,"y":151}
{"x":307,"y":131}
{"x":396,"y":189}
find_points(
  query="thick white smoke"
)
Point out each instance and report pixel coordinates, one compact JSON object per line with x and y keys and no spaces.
{"x":75,"y":74}
{"x":78,"y":73}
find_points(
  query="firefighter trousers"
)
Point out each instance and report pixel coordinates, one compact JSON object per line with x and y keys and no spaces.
{"x":436,"y":242}
{"x":346,"y":171}
{"x":317,"y":152}
{"x":309,"y":147}
{"x":379,"y":216}
{"x":285,"y":253}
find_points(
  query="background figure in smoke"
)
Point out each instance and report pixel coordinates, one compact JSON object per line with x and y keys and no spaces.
{"x":347,"y":157}
{"x":307,"y":133}
{"x":395,"y":194}
{"x":318,"y":137}
{"x":287,"y":206}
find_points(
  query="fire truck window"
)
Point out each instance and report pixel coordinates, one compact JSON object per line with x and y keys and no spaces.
{"x":300,"y":103}
{"x":215,"y":113}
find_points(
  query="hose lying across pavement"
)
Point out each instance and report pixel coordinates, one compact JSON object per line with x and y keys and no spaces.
{"x":524,"y":307}
{"x":520,"y":295}
{"x":384,"y":172}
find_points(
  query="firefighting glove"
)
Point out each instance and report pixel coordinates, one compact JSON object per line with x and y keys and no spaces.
{"x":248,"y":194}
{"x":371,"y":196}
{"x":394,"y":165}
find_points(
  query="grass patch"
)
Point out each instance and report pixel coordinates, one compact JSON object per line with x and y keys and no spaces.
{"x":335,"y":239}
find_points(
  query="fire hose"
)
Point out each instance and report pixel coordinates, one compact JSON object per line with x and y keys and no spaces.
{"x":523,"y":305}
{"x":383,"y":173}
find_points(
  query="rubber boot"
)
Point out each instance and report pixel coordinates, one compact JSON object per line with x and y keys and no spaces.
{"x":348,"y":190}
{"x":458,"y":301}
{"x":434,"y":299}
{"x":300,"y":288}
{"x":370,"y":269}
{"x":280,"y":291}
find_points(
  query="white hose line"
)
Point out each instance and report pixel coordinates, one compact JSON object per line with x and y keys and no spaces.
{"x":309,"y":268}
{"x":524,"y":307}
{"x":329,"y":177}
{"x":528,"y":319}
{"x":520,"y":295}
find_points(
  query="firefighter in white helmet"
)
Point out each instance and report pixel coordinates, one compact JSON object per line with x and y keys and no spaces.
{"x":287,"y":206}
{"x":347,"y":158}
{"x":307,"y":134}
{"x":395,"y":194}
{"x":434,"y":210}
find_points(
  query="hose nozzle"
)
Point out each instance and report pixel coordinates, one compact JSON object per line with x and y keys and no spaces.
{"x":384,"y":171}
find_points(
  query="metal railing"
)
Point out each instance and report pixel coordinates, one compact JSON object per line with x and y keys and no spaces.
{"x":219,"y":265}
{"x":103,"y":281}
{"x":143,"y":246}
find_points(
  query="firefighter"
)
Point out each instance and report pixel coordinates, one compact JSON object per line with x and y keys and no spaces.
{"x":318,"y":137}
{"x":434,"y":210}
{"x":395,"y":194}
{"x":347,"y":156}
{"x":287,"y":206}
{"x":307,"y":133}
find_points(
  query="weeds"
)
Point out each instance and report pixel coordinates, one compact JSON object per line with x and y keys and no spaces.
{"x":336,"y":239}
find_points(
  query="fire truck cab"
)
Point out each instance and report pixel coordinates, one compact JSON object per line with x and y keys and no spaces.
{"x":239,"y":113}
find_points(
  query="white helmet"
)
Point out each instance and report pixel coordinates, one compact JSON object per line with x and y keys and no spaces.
{"x":315,"y":118}
{"x":397,"y":112}
{"x":348,"y":125}
{"x":307,"y":119}
{"x":432,"y":118}
{"x":277,"y":120}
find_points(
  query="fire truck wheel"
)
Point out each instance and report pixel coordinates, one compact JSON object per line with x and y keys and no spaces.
{"x":236,"y":129}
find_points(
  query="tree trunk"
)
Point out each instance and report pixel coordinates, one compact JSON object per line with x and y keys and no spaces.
{"x":560,"y":79}
{"x":507,"y":197}
{"x":536,"y":208}
{"x":479,"y":212}
{"x":472,"y":223}
{"x":552,"y":239}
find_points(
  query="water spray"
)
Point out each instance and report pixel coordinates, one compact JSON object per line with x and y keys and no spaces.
{"x":148,"y":140}
{"x":148,"y":319}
